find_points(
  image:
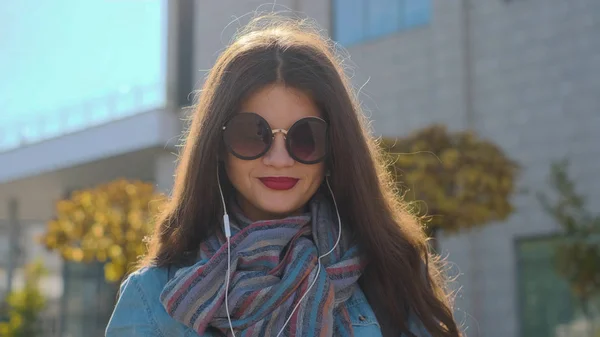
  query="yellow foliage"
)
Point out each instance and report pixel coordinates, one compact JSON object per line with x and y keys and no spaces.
{"x":107,"y":223}
{"x":113,"y":271}
{"x":25,"y":305}
{"x":464,"y":181}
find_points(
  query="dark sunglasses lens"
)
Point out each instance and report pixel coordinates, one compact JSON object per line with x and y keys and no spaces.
{"x":308,"y":140}
{"x":247,"y":135}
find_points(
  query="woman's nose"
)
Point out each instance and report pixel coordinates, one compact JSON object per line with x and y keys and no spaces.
{"x":278,"y":156}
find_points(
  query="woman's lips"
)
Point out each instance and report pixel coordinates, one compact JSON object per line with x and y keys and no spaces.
{"x":279,"y":183}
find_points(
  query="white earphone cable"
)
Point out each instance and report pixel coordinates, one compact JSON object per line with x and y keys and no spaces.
{"x":227,"y":287}
{"x":227,"y":230}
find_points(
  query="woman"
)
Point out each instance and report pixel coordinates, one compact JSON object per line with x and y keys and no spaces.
{"x":281,"y":220}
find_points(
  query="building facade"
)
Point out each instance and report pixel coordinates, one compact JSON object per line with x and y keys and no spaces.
{"x":522,"y":73}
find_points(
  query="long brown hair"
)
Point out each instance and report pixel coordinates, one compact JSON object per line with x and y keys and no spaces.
{"x":400,"y":276}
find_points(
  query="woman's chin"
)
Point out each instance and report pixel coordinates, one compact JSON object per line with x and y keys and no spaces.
{"x":279,"y":207}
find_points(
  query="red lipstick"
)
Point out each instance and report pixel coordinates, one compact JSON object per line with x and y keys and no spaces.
{"x":279,"y":183}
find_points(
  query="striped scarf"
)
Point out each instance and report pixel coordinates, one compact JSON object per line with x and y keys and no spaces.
{"x":272,"y":265}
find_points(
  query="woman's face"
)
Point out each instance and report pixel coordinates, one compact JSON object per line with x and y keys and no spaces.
{"x":260,"y":196}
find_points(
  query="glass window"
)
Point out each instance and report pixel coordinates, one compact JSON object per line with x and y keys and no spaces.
{"x":547,"y":306}
{"x":416,"y":12}
{"x":383,"y":17}
{"x":349,"y":21}
{"x":359,"y":20}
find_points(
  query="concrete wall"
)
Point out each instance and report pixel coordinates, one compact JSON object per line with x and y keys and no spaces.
{"x":414,"y":77}
{"x":535,"y":82}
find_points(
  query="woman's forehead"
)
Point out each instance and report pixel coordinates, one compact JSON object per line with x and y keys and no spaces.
{"x":281,"y":106}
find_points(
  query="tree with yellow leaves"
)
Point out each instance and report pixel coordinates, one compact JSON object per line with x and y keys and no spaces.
{"x":456,"y":180}
{"x":25,"y":305}
{"x":108,"y":223}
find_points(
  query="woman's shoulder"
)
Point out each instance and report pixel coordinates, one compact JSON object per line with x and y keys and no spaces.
{"x":140,"y":290}
{"x":150,"y":277}
{"x":139,"y":311}
{"x":148,"y":283}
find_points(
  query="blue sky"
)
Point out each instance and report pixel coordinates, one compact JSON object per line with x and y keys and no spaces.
{"x":58,"y":53}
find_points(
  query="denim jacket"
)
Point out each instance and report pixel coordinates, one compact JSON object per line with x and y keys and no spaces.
{"x":139,"y":312}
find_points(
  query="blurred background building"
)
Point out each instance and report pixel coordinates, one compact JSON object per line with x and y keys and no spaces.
{"x":524,"y":73}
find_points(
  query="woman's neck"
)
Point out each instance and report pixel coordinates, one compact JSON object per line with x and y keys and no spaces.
{"x":253,"y":213}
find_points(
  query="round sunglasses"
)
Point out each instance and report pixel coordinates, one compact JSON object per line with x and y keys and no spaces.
{"x":248,"y":136}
